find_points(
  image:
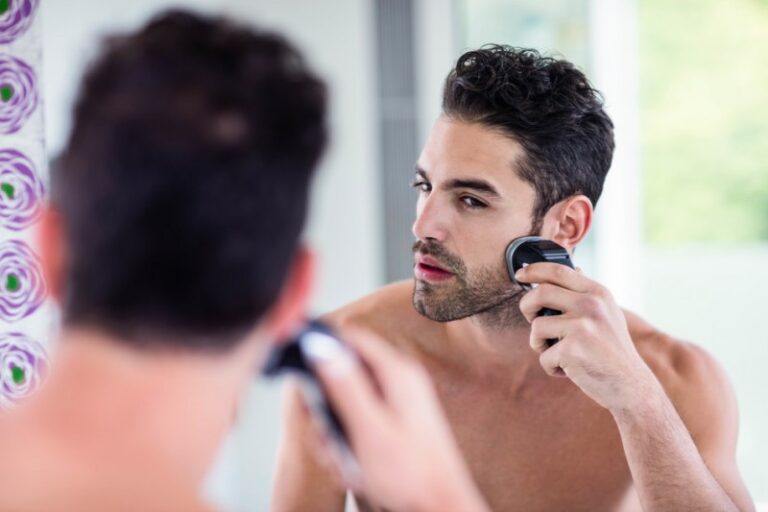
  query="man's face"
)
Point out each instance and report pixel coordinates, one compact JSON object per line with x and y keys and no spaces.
{"x":471,"y":205}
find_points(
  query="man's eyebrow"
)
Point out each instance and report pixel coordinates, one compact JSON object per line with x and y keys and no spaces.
{"x":478,"y":185}
{"x":470,"y":183}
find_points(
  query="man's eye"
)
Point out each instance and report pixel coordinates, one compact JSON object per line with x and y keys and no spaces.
{"x":471,"y":202}
{"x":423,"y":186}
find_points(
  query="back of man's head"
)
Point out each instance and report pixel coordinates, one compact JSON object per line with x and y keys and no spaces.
{"x":183,"y":187}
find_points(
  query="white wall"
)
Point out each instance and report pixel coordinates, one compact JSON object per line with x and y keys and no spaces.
{"x":344,"y":226}
{"x":613,"y":48}
{"x":437,"y":47}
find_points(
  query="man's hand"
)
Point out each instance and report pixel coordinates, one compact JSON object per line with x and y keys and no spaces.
{"x":597,"y":353}
{"x":595,"y":349}
{"x":398,"y":433}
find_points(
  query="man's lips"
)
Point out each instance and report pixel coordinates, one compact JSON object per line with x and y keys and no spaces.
{"x":428,"y":261}
{"x":430,"y":269}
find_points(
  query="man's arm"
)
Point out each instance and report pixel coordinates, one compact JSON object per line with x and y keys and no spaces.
{"x":301,"y":483}
{"x":684,"y":458}
{"x":596,"y":352}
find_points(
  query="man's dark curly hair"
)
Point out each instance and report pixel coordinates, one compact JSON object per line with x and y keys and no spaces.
{"x":545,"y":104}
{"x":183,"y":186}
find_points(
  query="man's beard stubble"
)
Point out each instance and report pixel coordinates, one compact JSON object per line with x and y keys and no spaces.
{"x":488,"y":294}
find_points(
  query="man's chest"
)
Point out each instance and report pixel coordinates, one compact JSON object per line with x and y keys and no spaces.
{"x":538,"y":451}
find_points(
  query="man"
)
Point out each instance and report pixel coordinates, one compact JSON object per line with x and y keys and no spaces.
{"x":616,"y":415}
{"x":172,"y":246}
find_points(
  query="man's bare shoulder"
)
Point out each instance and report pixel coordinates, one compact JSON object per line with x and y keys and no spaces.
{"x":34,"y":460}
{"x":692,"y":378}
{"x":388,"y":312}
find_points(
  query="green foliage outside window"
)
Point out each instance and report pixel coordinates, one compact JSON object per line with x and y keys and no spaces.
{"x":704,"y":115}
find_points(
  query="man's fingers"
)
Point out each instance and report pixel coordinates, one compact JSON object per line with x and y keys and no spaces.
{"x":547,"y":296}
{"x":379,"y":355}
{"x":546,"y":328}
{"x":551,"y":360}
{"x":555,"y":273}
{"x":397,"y":376}
{"x":350,"y":390}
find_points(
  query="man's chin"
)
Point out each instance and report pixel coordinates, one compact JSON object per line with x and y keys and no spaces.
{"x":430,"y":313}
{"x":430,"y":290}
{"x":431,"y":304}
{"x":422,"y":289}
{"x":439,"y":304}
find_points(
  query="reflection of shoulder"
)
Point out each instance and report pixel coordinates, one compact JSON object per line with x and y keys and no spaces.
{"x":692,"y":378}
{"x":387,"y":312}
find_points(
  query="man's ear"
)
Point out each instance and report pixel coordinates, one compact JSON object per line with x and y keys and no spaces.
{"x":53,"y":253}
{"x":568,"y":222}
{"x":289,"y":310}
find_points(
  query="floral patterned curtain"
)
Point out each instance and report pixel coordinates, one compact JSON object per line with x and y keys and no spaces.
{"x":25,"y":318}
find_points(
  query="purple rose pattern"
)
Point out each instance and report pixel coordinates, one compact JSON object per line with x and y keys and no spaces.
{"x":21,"y":191}
{"x":15,"y":18}
{"x":23,"y":366}
{"x":18,"y":93}
{"x":22,"y":289}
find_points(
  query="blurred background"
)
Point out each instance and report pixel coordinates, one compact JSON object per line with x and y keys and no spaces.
{"x":681,"y":233}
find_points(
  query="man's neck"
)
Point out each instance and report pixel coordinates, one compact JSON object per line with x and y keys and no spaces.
{"x":493,"y":348}
{"x":130,"y":408}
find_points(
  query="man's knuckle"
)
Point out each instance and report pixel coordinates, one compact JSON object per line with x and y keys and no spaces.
{"x":602,"y":292}
{"x":561,"y":272}
{"x":584,"y":326}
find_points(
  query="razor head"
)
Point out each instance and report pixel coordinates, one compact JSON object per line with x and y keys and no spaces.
{"x":527,"y":250}
{"x":293,"y":358}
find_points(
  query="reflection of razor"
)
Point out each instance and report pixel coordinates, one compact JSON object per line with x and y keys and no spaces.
{"x":526,"y":250}
{"x":294,"y":358}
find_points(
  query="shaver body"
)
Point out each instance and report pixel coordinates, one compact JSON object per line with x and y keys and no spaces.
{"x":293,"y":358}
{"x":527,"y":250}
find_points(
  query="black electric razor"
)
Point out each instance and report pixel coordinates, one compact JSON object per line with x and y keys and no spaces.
{"x":294,"y":358}
{"x":526,"y":250}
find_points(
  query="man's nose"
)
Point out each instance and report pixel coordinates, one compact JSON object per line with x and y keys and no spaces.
{"x":430,"y":221}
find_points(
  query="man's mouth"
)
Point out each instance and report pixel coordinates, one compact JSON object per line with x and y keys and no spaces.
{"x":429,"y":269}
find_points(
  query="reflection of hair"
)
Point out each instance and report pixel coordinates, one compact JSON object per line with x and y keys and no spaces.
{"x":184,"y":183}
{"x":545,"y":104}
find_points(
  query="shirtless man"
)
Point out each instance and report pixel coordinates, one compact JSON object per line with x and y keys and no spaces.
{"x":172,"y":246}
{"x":616,"y":416}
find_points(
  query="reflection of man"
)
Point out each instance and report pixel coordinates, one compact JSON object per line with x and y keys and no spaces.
{"x":523,"y":147}
{"x":173,"y":249}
